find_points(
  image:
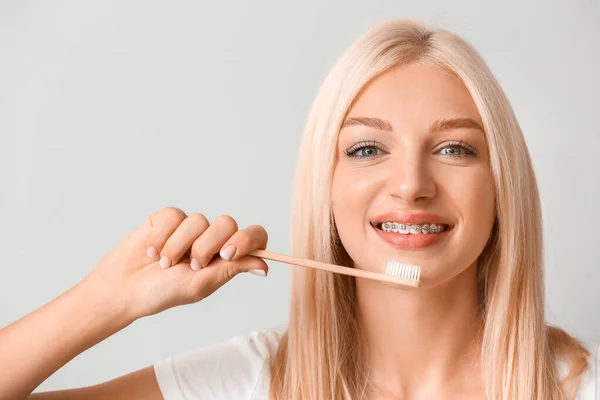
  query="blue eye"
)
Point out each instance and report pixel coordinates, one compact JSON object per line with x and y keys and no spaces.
{"x":364,"y":150}
{"x":458,"y":150}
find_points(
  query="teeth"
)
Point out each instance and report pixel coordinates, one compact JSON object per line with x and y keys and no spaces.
{"x":412,"y":229}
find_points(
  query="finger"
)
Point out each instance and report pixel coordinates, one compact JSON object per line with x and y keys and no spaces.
{"x":244,"y":241}
{"x":211,"y":241}
{"x":162,"y":225}
{"x":219,"y":272}
{"x":178,"y":244}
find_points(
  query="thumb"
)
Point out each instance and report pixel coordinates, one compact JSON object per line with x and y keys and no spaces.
{"x":219,"y":272}
{"x":227,"y":270}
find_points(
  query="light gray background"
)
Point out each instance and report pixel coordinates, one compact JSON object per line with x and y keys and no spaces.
{"x":111,"y":110}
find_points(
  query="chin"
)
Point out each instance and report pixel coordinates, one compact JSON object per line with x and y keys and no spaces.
{"x":445,"y":274}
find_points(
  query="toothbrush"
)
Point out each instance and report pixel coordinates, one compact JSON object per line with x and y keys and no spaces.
{"x":395,"y":272}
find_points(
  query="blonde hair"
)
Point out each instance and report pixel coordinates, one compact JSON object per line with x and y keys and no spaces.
{"x":319,"y":357}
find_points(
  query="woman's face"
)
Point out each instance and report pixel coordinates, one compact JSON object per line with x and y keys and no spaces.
{"x":412,"y":153}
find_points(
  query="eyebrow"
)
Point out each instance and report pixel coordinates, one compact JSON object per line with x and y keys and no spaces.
{"x":454,"y":123}
{"x":369,"y":122}
{"x":439,"y":125}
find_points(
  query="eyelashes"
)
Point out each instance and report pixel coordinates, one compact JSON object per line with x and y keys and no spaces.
{"x":367,"y":149}
{"x":363,"y":145}
{"x":466,"y":149}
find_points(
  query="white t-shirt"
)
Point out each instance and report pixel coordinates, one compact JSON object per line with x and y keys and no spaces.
{"x":239,"y":369}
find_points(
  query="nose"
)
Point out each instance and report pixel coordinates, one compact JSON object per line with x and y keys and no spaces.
{"x":411,"y":180}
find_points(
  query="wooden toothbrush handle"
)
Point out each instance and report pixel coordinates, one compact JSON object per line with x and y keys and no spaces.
{"x":359,"y":273}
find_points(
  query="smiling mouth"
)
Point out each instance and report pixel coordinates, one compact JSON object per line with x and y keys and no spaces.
{"x":412,"y":236}
{"x":412,"y":229}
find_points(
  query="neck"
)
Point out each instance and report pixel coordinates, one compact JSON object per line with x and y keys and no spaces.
{"x":426,"y":337}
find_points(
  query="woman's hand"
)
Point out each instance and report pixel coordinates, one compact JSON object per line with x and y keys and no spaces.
{"x":174,"y":259}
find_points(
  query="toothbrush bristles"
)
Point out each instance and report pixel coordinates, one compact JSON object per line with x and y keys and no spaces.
{"x":401,"y":270}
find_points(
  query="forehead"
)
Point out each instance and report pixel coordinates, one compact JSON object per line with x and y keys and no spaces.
{"x":411,"y":96}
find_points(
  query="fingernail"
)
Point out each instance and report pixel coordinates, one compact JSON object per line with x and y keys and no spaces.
{"x":165,"y":262}
{"x":151,"y":252}
{"x":195,"y":265}
{"x":227,"y":252}
{"x":258,"y":272}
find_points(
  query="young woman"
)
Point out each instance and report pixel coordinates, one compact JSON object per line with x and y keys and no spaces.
{"x":410,"y":129}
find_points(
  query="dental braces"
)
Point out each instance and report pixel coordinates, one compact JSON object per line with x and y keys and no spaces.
{"x":411,"y":229}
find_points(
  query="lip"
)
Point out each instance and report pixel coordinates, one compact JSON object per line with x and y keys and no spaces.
{"x":410,"y":241}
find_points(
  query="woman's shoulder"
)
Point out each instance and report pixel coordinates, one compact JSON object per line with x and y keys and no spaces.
{"x":236,"y":369}
{"x":589,"y":385}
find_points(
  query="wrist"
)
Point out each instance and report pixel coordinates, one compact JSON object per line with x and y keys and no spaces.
{"x":106,"y":302}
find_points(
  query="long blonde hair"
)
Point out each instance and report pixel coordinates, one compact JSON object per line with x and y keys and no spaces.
{"x":319,"y":356}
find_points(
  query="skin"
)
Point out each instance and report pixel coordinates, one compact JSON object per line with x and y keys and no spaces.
{"x":424,"y":343}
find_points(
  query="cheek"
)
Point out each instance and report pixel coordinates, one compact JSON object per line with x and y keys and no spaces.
{"x":343,"y":197}
{"x":476,"y":199}
{"x":352,"y":192}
